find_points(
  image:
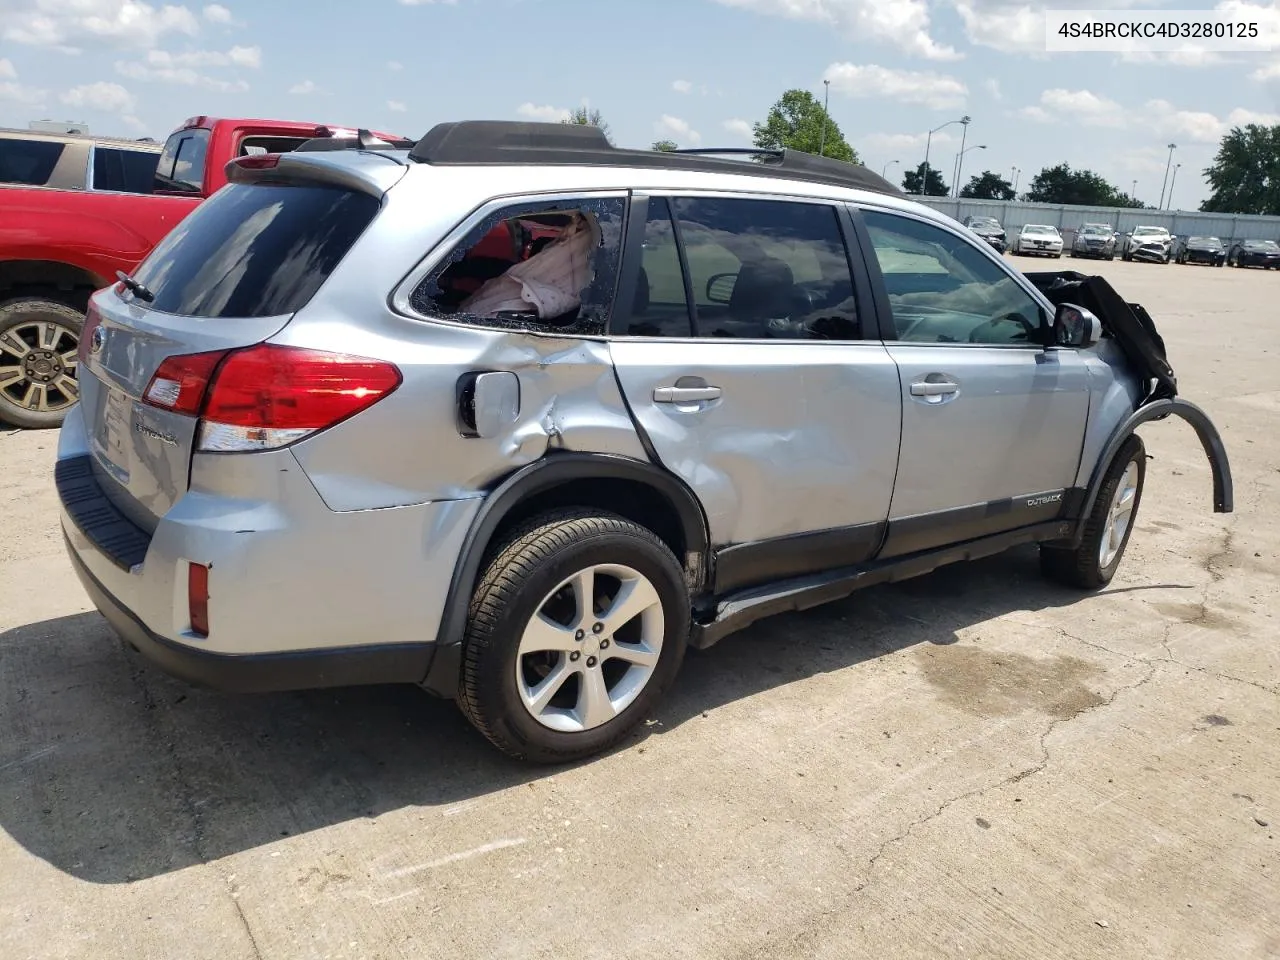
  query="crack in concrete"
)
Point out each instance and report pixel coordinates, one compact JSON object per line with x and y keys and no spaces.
{"x":1018,"y":777}
{"x":187,"y":800}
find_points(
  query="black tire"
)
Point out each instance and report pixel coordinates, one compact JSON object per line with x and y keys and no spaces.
{"x":524,"y":570}
{"x":1082,"y":566}
{"x":22,"y":322}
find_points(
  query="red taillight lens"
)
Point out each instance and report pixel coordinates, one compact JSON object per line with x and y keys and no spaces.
{"x":179,"y":383}
{"x":198,"y":598}
{"x":259,"y":161}
{"x":290,"y":388}
{"x":92,"y":320}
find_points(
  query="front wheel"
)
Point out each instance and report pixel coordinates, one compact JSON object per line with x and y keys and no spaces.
{"x":1094,"y":562}
{"x":578,"y":624}
{"x":38,"y":343}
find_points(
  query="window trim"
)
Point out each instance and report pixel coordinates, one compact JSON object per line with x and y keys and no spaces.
{"x":885,"y":309}
{"x":862,"y":289}
{"x":400,"y":300}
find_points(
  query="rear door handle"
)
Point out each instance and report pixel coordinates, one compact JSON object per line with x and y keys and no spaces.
{"x":933,"y":389}
{"x":684,"y":394}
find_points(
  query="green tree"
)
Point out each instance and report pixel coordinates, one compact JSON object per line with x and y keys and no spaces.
{"x":796,"y":123}
{"x":589,"y":117}
{"x":987,"y":186}
{"x":1061,"y":184}
{"x":937,"y":187}
{"x":1245,"y":175}
{"x":665,"y":146}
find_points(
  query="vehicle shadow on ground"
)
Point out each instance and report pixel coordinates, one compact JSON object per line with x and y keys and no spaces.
{"x":112,"y":771}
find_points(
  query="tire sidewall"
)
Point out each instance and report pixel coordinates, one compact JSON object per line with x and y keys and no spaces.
{"x":1132,"y":452}
{"x":496,"y":691}
{"x":20,"y":310}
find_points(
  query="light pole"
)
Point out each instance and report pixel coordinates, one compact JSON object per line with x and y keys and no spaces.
{"x":887,"y":165}
{"x":1167,"y":165}
{"x":1172,"y":181}
{"x":826,"y":100}
{"x":1017,"y":172}
{"x":956,"y":173}
{"x":1133,"y":191}
{"x":924,"y":179}
{"x":960,"y":164}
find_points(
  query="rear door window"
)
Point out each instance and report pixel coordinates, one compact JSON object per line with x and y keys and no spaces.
{"x":28,"y":162}
{"x":255,"y":250}
{"x":124,"y":171}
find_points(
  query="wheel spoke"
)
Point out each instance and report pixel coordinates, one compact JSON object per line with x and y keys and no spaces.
{"x":594,"y":705}
{"x":542,"y":635}
{"x":50,"y":334}
{"x":36,"y":397}
{"x":541,"y":695}
{"x":71,"y":358}
{"x":635,"y":597}
{"x":13,"y":346}
{"x":68,"y":386}
{"x":10,"y":376}
{"x":584,"y":594}
{"x":636,"y":654}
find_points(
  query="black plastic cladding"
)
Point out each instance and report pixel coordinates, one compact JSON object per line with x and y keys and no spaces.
{"x":476,"y":142}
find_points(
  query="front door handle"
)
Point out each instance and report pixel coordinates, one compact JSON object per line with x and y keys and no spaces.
{"x":684,"y":394}
{"x":934,"y":389}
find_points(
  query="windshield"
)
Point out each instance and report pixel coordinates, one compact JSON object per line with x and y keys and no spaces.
{"x":1151,"y":232}
{"x":1268,"y":245}
{"x":985,"y":222}
{"x":1205,"y":241}
{"x":1092,"y":230}
{"x":1036,"y":228}
{"x":181,"y":167}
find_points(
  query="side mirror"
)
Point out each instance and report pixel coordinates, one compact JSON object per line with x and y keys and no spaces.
{"x":720,"y":287}
{"x":1075,"y":327}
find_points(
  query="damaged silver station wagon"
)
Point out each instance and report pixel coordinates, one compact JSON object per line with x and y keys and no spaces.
{"x":518,"y":417}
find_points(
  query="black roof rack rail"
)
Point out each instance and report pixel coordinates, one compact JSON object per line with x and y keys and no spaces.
{"x":363,"y":140}
{"x":516,"y":143}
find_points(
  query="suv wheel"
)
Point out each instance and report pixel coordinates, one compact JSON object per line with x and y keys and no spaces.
{"x":578,"y":624}
{"x":1106,"y":533}
{"x":38,"y":341}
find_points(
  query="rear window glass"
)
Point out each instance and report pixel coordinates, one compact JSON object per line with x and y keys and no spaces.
{"x":124,"y":171}
{"x":255,"y":250}
{"x":28,"y":161}
{"x":181,"y":166}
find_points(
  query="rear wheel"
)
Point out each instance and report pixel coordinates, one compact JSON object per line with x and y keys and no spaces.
{"x":578,"y":624}
{"x":1094,"y":562}
{"x":38,"y":343}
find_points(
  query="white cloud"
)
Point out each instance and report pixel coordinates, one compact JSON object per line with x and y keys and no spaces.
{"x":1077,"y":106}
{"x":67,"y":25}
{"x":11,"y":92}
{"x":681,"y":86}
{"x":395,"y":66}
{"x":1159,"y":117}
{"x":7,"y":70}
{"x":992,"y":86}
{"x":904,"y":23}
{"x":1018,"y":26}
{"x":935,"y":90}
{"x":677,"y":130}
{"x":740,"y":128}
{"x":395,"y":106}
{"x":1270,"y":72}
{"x":107,"y":97}
{"x":303,"y":88}
{"x":183,"y":76}
{"x":905,"y":142}
{"x":217,"y":13}
{"x":1174,"y":58}
{"x":549,"y":114}
{"x":236,"y":56}
{"x":135,"y":122}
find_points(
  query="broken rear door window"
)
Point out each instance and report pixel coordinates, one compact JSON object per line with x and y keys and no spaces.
{"x":544,"y":266}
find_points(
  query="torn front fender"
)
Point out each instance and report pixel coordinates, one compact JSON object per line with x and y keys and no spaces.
{"x":1210,"y":440}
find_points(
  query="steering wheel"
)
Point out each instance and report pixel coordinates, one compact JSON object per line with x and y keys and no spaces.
{"x":1028,"y":327}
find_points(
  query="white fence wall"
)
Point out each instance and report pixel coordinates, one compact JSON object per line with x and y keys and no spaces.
{"x":1014,"y":213}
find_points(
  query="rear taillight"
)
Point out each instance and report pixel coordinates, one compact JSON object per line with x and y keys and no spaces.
{"x":198,"y":598}
{"x":180,"y":382}
{"x":259,"y":161}
{"x":92,"y":320}
{"x":268,"y":396}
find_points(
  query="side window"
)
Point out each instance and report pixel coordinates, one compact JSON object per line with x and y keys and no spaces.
{"x":181,"y":166}
{"x":547,"y":266}
{"x":767,"y":269}
{"x":28,"y":162}
{"x":124,"y":171}
{"x":661,"y":308}
{"x":942,"y":289}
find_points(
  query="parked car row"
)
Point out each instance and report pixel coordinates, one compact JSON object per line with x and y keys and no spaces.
{"x":1144,"y":243}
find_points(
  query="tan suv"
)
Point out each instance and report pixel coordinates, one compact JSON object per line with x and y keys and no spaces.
{"x":72,"y":161}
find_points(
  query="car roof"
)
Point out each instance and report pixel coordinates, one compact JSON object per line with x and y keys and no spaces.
{"x":13,"y":133}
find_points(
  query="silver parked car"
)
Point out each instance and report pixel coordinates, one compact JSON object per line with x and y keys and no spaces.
{"x":1096,"y":240}
{"x":517,"y":416}
{"x":1153,"y":244}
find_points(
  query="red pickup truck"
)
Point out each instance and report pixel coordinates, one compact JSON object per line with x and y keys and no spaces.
{"x":57,"y":246}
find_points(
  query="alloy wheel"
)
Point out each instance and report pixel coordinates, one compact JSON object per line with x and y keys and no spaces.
{"x":38,"y":365}
{"x":590,"y":648}
{"x":1119,"y":516}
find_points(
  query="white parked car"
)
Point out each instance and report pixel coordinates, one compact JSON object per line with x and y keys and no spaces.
{"x":1038,"y":238}
{"x":1153,"y":244}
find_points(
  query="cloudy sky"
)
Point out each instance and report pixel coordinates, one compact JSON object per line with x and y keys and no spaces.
{"x":696,"y":71}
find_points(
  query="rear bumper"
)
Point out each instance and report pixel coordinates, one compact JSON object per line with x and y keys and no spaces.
{"x":258,"y":673}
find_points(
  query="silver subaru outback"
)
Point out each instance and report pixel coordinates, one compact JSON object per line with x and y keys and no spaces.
{"x":517,"y":416}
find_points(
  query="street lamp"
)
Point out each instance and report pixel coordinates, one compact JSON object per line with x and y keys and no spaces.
{"x":924,"y":180}
{"x":1016,"y":173}
{"x":826,"y":100}
{"x":960,"y":165}
{"x":885,"y":168}
{"x":1133,"y":191}
{"x":1167,"y":165}
{"x":1172,"y":181}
